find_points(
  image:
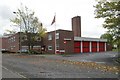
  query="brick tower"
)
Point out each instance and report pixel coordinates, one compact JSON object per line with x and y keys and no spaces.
{"x":76,"y":26}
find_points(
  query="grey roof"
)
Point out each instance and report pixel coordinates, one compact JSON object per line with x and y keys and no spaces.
{"x":5,"y":36}
{"x":89,"y":39}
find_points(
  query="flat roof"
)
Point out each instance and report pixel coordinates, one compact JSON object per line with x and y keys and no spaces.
{"x":89,"y":39}
{"x":4,"y":36}
{"x":59,"y":30}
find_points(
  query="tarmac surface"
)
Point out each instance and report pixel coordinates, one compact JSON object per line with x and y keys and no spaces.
{"x":107,"y":58}
{"x":54,"y":66}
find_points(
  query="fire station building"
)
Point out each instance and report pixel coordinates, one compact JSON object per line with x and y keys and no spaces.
{"x":72,"y":42}
{"x":66,"y":41}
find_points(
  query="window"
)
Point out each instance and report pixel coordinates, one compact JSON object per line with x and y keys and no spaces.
{"x":11,"y":39}
{"x":49,"y":47}
{"x":57,"y":35}
{"x":11,"y":47}
{"x":57,"y":46}
{"x":14,"y":38}
{"x":49,"y":37}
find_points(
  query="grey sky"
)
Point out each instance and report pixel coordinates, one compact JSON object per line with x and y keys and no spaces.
{"x":65,"y":10}
{"x":5,"y":15}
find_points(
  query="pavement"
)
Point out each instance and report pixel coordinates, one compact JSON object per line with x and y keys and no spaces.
{"x":54,"y":66}
{"x":104,"y":60}
{"x":10,"y":74}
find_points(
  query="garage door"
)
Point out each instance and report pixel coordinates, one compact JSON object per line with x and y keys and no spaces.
{"x":86,"y":47}
{"x":101,"y":46}
{"x":77,"y":47}
{"x":94,"y":46}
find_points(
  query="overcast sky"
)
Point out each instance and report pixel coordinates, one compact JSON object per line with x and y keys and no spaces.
{"x":65,"y":10}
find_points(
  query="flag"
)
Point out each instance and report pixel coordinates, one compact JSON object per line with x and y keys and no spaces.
{"x":53,"y":21}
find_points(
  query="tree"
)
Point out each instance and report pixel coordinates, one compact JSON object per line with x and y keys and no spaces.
{"x":109,"y":38}
{"x":110,"y":11}
{"x":29,"y":24}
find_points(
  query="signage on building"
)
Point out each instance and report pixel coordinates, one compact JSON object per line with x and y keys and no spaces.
{"x":67,"y":39}
{"x":62,"y":51}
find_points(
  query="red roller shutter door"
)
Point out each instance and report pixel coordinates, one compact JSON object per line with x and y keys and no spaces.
{"x":101,"y":46}
{"x":77,"y":47}
{"x":94,"y":46}
{"x":77,"y":50}
{"x":77,"y":44}
{"x":86,"y":46}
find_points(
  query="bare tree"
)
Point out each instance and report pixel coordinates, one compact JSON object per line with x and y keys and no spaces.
{"x":30,"y":25}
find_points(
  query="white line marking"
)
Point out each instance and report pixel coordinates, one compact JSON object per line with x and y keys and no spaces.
{"x":14,"y":72}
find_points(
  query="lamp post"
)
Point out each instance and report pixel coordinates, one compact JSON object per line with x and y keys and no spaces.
{"x":118,"y":33}
{"x":20,"y":32}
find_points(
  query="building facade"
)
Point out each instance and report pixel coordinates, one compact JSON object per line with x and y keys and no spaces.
{"x":64,"y":41}
{"x":4,"y":43}
{"x":59,"y":41}
{"x":19,"y":43}
{"x":14,"y":43}
{"x":85,"y":45}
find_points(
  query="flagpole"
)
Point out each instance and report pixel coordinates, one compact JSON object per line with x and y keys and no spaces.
{"x":55,"y":33}
{"x":54,"y":22}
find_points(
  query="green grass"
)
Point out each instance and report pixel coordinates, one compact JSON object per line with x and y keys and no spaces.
{"x":116,"y":50}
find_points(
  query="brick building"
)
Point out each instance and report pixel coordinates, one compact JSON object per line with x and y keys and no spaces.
{"x":83,"y":45}
{"x":72,"y":42}
{"x":15,"y":43}
{"x":66,"y":41}
{"x":4,"y":43}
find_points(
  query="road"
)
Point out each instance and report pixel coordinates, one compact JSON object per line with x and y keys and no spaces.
{"x":45,"y":66}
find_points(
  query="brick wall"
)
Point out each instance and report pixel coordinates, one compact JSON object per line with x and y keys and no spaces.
{"x":64,"y":36}
{"x":13,"y":42}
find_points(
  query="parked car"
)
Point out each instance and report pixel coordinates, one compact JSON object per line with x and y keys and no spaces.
{"x":4,"y":50}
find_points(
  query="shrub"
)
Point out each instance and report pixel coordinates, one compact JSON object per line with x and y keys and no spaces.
{"x":34,"y":52}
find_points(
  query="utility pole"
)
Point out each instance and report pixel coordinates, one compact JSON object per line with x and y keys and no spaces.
{"x":20,"y":32}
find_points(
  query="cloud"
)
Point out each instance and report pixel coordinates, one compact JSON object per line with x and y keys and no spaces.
{"x":108,"y":0}
{"x":5,"y":12}
{"x":44,"y":10}
{"x":115,"y":0}
{"x":5,"y":15}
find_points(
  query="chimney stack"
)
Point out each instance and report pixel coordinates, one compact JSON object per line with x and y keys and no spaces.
{"x":76,"y":26}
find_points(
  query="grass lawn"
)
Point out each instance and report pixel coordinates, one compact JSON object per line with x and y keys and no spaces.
{"x":116,"y":50}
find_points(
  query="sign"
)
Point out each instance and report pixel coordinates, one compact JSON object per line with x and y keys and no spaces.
{"x":62,"y":51}
{"x":67,"y":39}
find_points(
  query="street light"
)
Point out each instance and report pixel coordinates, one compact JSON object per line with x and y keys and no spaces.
{"x":118,"y":33}
{"x":20,"y":33}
